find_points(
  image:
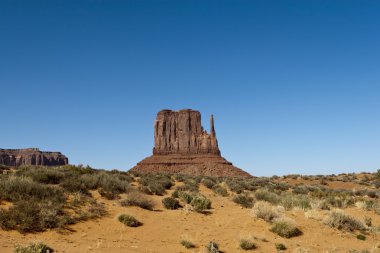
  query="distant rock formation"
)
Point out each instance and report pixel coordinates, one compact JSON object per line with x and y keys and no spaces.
{"x":31,"y":156}
{"x":182,"y":133}
{"x":181,"y":145}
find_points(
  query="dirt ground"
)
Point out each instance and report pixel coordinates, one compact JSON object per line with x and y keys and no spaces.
{"x":163,"y":230}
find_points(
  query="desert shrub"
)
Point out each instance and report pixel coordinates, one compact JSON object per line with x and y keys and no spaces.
{"x":190,"y":185}
{"x":280,"y":246}
{"x":44,"y":175}
{"x":114,"y":184}
{"x":339,"y":200}
{"x":208,"y":182}
{"x":212,"y":247}
{"x":180,"y":177}
{"x":300,"y":189}
{"x":108,"y":194}
{"x":138,"y":199}
{"x":361,"y":237}
{"x":185,"y":196}
{"x":235,"y":185}
{"x":187,"y":244}
{"x":154,"y":188}
{"x":37,"y":247}
{"x":266,"y":211}
{"x":368,"y":221}
{"x":110,"y":184}
{"x":281,"y":187}
{"x":73,"y":184}
{"x":342,"y":221}
{"x":285,"y":228}
{"x":289,"y":201}
{"x":244,"y":200}
{"x":156,"y":181}
{"x":246,"y":244}
{"x":129,"y":220}
{"x":32,"y":216}
{"x":175,"y":194}
{"x":220,"y":190}
{"x":200,"y":203}
{"x":20,"y":188}
{"x":170,"y":203}
{"x":95,"y":210}
{"x":267,"y":196}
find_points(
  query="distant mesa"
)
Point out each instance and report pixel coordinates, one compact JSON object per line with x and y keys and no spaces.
{"x":181,"y":145}
{"x":31,"y":156}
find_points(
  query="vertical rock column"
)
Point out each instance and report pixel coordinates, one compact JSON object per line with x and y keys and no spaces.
{"x":181,"y":132}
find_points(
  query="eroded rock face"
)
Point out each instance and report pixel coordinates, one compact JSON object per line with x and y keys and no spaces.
{"x":31,"y":156}
{"x":181,"y":145}
{"x":182,"y":133}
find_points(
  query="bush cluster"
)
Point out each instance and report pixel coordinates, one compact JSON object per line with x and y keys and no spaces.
{"x":285,"y":228}
{"x":37,"y":247}
{"x":170,"y":203}
{"x":244,"y":200}
{"x":129,"y":220}
{"x":342,"y":221}
{"x":138,"y":199}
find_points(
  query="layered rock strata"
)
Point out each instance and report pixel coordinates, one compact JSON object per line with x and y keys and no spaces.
{"x":181,"y":145}
{"x":31,"y":156}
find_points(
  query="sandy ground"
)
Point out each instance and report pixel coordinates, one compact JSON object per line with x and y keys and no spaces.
{"x":163,"y":229}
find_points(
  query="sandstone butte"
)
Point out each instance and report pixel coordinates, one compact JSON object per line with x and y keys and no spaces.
{"x":31,"y":156}
{"x":181,"y":145}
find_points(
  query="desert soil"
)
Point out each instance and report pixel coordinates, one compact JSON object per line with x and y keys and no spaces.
{"x":163,"y":230}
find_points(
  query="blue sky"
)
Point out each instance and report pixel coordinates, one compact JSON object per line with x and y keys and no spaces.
{"x":294,"y":85}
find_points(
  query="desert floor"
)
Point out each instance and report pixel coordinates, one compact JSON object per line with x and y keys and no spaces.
{"x":163,"y":230}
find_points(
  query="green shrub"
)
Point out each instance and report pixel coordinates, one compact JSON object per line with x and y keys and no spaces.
{"x":156,"y":183}
{"x":361,"y":237}
{"x":170,"y":203}
{"x":138,"y":199}
{"x":187,"y":244}
{"x":209,"y":183}
{"x":236,"y":185}
{"x":185,"y":197}
{"x":244,"y":200}
{"x":20,"y":188}
{"x":280,"y":246}
{"x":212,"y":247}
{"x":38,"y":247}
{"x":220,"y":190}
{"x":129,"y":220}
{"x":200,"y":203}
{"x":190,"y":185}
{"x":285,"y":228}
{"x":267,"y":196}
{"x":247,"y":244}
{"x":43,"y":175}
{"x":290,"y":201}
{"x":73,"y":184}
{"x":343,"y":221}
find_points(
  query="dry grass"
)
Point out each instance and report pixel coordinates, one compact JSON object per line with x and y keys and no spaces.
{"x":266,"y":211}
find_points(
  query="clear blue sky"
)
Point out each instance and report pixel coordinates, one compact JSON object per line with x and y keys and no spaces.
{"x":294,"y":85}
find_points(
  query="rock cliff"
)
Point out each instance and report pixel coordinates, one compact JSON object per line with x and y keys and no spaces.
{"x":182,"y":133}
{"x":181,"y":145}
{"x":31,"y":156}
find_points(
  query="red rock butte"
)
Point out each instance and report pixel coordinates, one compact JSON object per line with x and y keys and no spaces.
{"x":181,"y":145}
{"x":31,"y":156}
